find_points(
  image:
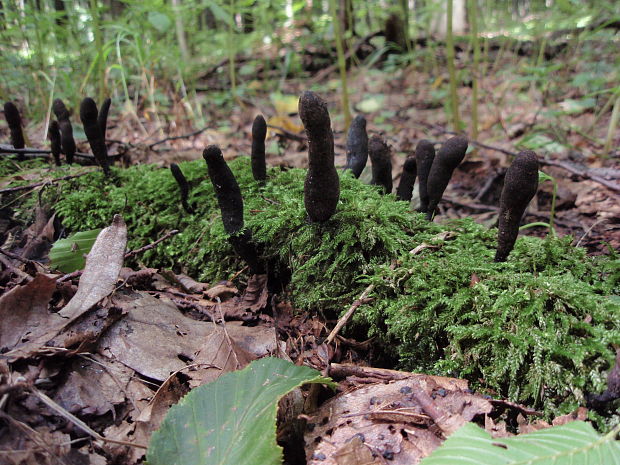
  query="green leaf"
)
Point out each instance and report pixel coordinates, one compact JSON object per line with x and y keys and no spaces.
{"x":159,"y":21}
{"x":69,"y":254}
{"x":575,"y":442}
{"x":542,"y":177}
{"x":232,"y":420}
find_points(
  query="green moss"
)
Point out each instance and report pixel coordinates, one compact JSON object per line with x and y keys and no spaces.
{"x":538,"y":329}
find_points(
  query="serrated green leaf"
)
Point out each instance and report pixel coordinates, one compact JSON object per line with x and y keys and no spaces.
{"x":575,"y":443}
{"x":68,"y":255}
{"x":231,"y":421}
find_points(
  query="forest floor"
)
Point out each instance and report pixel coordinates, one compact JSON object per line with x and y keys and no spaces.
{"x":137,"y":381}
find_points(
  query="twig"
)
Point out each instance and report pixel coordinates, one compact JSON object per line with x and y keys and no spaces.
{"x":288,"y":134}
{"x":79,"y":423}
{"x":16,"y":257}
{"x":8,"y":150}
{"x":152,"y":245}
{"x":347,"y":316}
{"x":38,"y":184}
{"x":184,"y":136}
{"x":584,"y":173}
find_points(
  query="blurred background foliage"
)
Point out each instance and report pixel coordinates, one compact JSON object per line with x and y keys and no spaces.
{"x":145,"y":53}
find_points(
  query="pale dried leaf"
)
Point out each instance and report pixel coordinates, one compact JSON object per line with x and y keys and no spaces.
{"x":103,"y":265}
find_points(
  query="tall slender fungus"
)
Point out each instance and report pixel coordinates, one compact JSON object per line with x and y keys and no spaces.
{"x":89,"y":116}
{"x":381,"y":159}
{"x":230,"y":201}
{"x":259,"y":132}
{"x":407,"y":180}
{"x":357,"y":146}
{"x":14,"y":121}
{"x":424,"y":156}
{"x":520,"y":186}
{"x":322,"y":185}
{"x":183,"y":186}
{"x":66,"y":130}
{"x":450,"y":155}
{"x":53,"y":134}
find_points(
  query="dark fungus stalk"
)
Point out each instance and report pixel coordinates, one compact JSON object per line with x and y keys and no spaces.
{"x":53,"y":134}
{"x":183,"y":186}
{"x":407,"y":180}
{"x":66,"y":130}
{"x":520,"y":186}
{"x":259,"y":132}
{"x":231,"y":205}
{"x":357,"y":146}
{"x":102,"y":118}
{"x":424,"y":156}
{"x":89,"y":116}
{"x":322,"y":185}
{"x":380,"y":157}
{"x":450,"y":155}
{"x":14,"y":121}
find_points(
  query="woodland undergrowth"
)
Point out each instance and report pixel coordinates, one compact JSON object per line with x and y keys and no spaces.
{"x":539,"y":329}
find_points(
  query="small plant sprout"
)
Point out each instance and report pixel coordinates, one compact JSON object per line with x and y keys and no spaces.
{"x":102,"y":118}
{"x":520,"y":185}
{"x":450,"y":155}
{"x":183,"y":186}
{"x":89,"y":116}
{"x":66,"y":130}
{"x":542,"y":177}
{"x":230,"y":202}
{"x":14,"y":121}
{"x":322,"y":185}
{"x":407,"y":180}
{"x":381,"y":159}
{"x":424,"y":156}
{"x":357,"y":146}
{"x":259,"y":132}
{"x":53,"y":134}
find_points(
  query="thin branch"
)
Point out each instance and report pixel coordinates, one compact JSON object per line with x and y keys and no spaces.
{"x":288,"y":134}
{"x":584,"y":173}
{"x":184,"y":136}
{"x":9,"y":150}
{"x":152,"y":245}
{"x":79,"y":423}
{"x":37,"y":184}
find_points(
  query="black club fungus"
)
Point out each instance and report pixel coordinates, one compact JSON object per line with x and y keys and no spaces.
{"x":322,"y":185}
{"x":357,"y":146}
{"x":14,"y":121}
{"x":450,"y":155}
{"x":183,"y":186}
{"x":407,"y":180}
{"x":520,"y":186}
{"x":424,"y":155}
{"x":89,"y":116}
{"x":66,"y":130}
{"x":53,"y":134}
{"x":259,"y":132}
{"x":230,"y":201}
{"x":381,"y":159}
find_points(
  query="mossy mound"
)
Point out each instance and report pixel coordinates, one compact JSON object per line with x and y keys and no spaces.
{"x":538,"y":329}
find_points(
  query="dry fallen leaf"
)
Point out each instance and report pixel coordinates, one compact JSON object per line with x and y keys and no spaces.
{"x":103,"y":265}
{"x":24,"y":308}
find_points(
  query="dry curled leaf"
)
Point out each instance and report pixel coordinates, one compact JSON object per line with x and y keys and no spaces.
{"x":103,"y":265}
